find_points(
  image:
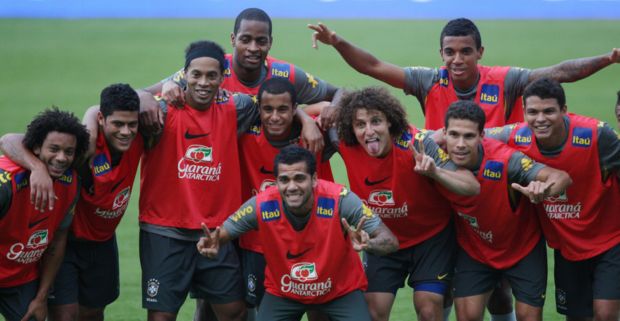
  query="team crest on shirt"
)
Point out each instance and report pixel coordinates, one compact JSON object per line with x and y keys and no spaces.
{"x":325,"y":207}
{"x":279,"y":69}
{"x":493,"y":170}
{"x":251,"y":284}
{"x":270,"y":211}
{"x":443,"y":77}
{"x":101,"y":164}
{"x":152,"y":288}
{"x":197,"y":164}
{"x":489,"y":94}
{"x":523,"y":136}
{"x":402,"y":142}
{"x":582,"y":137}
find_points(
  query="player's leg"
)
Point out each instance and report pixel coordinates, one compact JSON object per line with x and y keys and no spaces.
{"x":607,"y":285}
{"x":275,"y":308}
{"x":168,"y":265}
{"x":253,"y":272}
{"x":500,"y":303}
{"x":98,"y":279}
{"x":63,"y":298}
{"x":14,"y":301}
{"x":528,"y":279}
{"x":431,"y":273}
{"x":473,"y":283}
{"x":349,"y":307}
{"x":203,"y":311}
{"x":386,"y":274}
{"x":573,"y":288}
{"x":219,"y":282}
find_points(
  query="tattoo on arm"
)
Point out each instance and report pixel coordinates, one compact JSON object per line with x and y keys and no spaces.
{"x":382,"y":241}
{"x":572,"y":70}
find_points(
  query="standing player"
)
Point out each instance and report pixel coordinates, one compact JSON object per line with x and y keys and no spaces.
{"x":375,"y":139}
{"x":617,"y":110}
{"x":310,"y":258}
{"x":497,"y":230}
{"x":581,"y":224}
{"x":495,"y":89}
{"x":33,"y":241}
{"x":258,"y":148}
{"x":190,"y":176}
{"x":88,"y":279}
{"x":250,"y":65}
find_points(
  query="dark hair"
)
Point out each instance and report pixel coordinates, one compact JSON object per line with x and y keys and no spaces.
{"x":205,"y":48}
{"x":618,"y":101}
{"x":461,"y":27}
{"x":545,"y":88}
{"x":253,"y":14}
{"x":467,"y":110}
{"x":118,"y":97}
{"x":370,"y":98}
{"x":54,"y":120}
{"x":277,"y":86}
{"x":292,"y":154}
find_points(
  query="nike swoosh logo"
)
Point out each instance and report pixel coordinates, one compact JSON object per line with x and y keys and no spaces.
{"x":35,"y":223}
{"x":292,"y":256}
{"x":370,"y":183}
{"x":265,"y":171}
{"x":115,"y":186}
{"x":192,"y":136}
{"x":441,"y":277}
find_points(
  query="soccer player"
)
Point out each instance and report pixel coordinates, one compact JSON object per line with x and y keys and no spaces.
{"x":617,"y":110}
{"x":88,"y":279}
{"x":581,"y":224}
{"x":190,"y":176}
{"x":495,"y":89}
{"x":259,"y":146}
{"x":375,"y":141}
{"x":497,"y":230}
{"x":310,"y":256}
{"x":32,"y":240}
{"x":250,"y":64}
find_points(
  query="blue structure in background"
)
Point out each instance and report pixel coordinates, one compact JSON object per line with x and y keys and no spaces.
{"x":325,"y":9}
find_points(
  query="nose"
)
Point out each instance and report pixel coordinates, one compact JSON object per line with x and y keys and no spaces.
{"x":125,"y":130}
{"x":458,"y":58}
{"x":253,"y":46}
{"x":460,"y":142}
{"x":540,"y":117}
{"x":61,"y":157}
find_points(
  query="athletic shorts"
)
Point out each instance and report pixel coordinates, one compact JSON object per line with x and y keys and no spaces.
{"x":88,"y":274}
{"x":253,"y":269}
{"x":528,"y":278}
{"x":428,"y":263}
{"x":171,"y":268}
{"x":579,"y":283}
{"x":14,"y":301}
{"x":349,"y":307}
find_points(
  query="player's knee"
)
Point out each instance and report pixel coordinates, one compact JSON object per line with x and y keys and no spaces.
{"x":88,"y":314}
{"x":65,"y":312}
{"x":606,"y":314}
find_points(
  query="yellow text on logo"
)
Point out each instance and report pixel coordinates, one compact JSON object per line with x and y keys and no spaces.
{"x":5,"y":178}
{"x":367,"y":211}
{"x":270,"y":215}
{"x":242,"y":212}
{"x":526,"y":163}
{"x":313,"y":82}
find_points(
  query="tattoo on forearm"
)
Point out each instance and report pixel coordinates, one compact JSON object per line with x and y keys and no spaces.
{"x":573,"y":70}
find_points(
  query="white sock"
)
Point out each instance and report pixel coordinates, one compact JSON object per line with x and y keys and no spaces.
{"x":504,"y":317}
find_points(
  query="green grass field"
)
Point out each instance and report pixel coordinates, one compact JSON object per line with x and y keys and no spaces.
{"x":67,"y":63}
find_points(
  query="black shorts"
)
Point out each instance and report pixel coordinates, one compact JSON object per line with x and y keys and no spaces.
{"x":253,"y":269}
{"x":14,"y":301}
{"x":579,"y":283}
{"x":428,"y":263}
{"x":528,"y":278}
{"x":349,"y":307}
{"x":171,"y":268}
{"x":88,"y":274}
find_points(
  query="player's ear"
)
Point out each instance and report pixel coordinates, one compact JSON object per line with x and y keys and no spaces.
{"x":480,"y":52}
{"x":232,"y":39}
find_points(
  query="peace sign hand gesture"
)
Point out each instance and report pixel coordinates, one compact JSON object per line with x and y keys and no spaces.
{"x":424,"y":164}
{"x":209,"y":244}
{"x":359,"y":237}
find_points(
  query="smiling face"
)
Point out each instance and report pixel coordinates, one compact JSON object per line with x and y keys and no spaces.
{"x":460,"y":57}
{"x":545,"y":117}
{"x":119,"y":128}
{"x":204,"y":77}
{"x":276,"y":115}
{"x":251,"y":44}
{"x":296,"y":186}
{"x":57,"y":152}
{"x":462,"y":140}
{"x":372,"y":131}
